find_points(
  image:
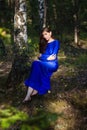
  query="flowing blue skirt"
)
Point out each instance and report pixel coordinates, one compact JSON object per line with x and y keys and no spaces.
{"x":39,"y":78}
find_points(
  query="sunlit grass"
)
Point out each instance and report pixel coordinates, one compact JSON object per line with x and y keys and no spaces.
{"x":66,"y":117}
{"x":79,"y":99}
{"x":57,"y":106}
{"x":61,"y":55}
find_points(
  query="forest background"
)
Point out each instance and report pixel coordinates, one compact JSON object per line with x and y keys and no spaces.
{"x":68,"y":21}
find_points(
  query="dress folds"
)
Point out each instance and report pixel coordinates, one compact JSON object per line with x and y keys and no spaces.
{"x":42,"y":69}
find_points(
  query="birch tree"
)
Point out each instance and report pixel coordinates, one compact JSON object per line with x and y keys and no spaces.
{"x":42,"y":13}
{"x":20,"y":44}
{"x":75,"y":16}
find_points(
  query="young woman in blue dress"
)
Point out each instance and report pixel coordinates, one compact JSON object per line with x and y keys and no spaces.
{"x":43,"y":68}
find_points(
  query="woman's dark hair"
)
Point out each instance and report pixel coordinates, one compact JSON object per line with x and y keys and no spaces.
{"x":43,"y":42}
{"x":47,"y":29}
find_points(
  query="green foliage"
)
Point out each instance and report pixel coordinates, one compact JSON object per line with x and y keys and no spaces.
{"x":43,"y":119}
{"x":33,"y":17}
{"x":83,"y":35}
{"x":10,"y":116}
{"x":5,"y":35}
{"x":33,"y":44}
{"x":27,"y":127}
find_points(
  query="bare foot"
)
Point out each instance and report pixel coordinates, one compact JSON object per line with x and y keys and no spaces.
{"x":34,"y":93}
{"x":26,"y":100}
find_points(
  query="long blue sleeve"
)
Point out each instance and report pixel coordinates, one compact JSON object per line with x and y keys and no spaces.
{"x":52,"y":48}
{"x":56,"y":47}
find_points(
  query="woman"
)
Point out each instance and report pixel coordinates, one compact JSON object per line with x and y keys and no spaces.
{"x":43,"y":68}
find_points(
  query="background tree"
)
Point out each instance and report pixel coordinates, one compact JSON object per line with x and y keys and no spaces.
{"x":42,"y":13}
{"x":75,"y":16}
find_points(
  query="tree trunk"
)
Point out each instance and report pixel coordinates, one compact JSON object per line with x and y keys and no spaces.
{"x":75,"y":30}
{"x":45,"y":14}
{"x":76,"y":9}
{"x":20,"y":45}
{"x":42,"y":13}
{"x":10,"y":3}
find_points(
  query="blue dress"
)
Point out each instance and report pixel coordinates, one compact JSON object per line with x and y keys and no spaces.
{"x":42,"y":69}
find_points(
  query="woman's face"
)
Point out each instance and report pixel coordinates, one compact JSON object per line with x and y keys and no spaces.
{"x":47,"y":35}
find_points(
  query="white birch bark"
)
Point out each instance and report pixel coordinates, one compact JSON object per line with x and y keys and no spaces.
{"x":20,"y":45}
{"x":42,"y":12}
{"x":20,"y":26}
{"x":45,"y":14}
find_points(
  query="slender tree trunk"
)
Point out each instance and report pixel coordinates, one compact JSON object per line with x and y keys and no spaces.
{"x":45,"y":14}
{"x":10,"y":2}
{"x":75,"y":30}
{"x":20,"y":44}
{"x":76,"y":9}
{"x":42,"y":13}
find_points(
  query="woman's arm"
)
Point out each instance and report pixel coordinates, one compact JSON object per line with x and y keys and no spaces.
{"x":52,"y":57}
{"x":54,"y":51}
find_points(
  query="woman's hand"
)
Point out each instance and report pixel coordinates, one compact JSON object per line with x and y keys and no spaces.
{"x":39,"y":55}
{"x":52,"y":57}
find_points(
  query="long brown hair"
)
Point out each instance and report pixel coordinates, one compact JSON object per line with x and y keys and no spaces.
{"x":43,"y":42}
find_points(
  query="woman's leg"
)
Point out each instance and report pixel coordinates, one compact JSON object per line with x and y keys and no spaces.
{"x":28,"y":95}
{"x":34,"y":92}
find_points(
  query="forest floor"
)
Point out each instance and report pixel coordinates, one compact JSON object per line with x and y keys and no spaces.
{"x":64,"y":108}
